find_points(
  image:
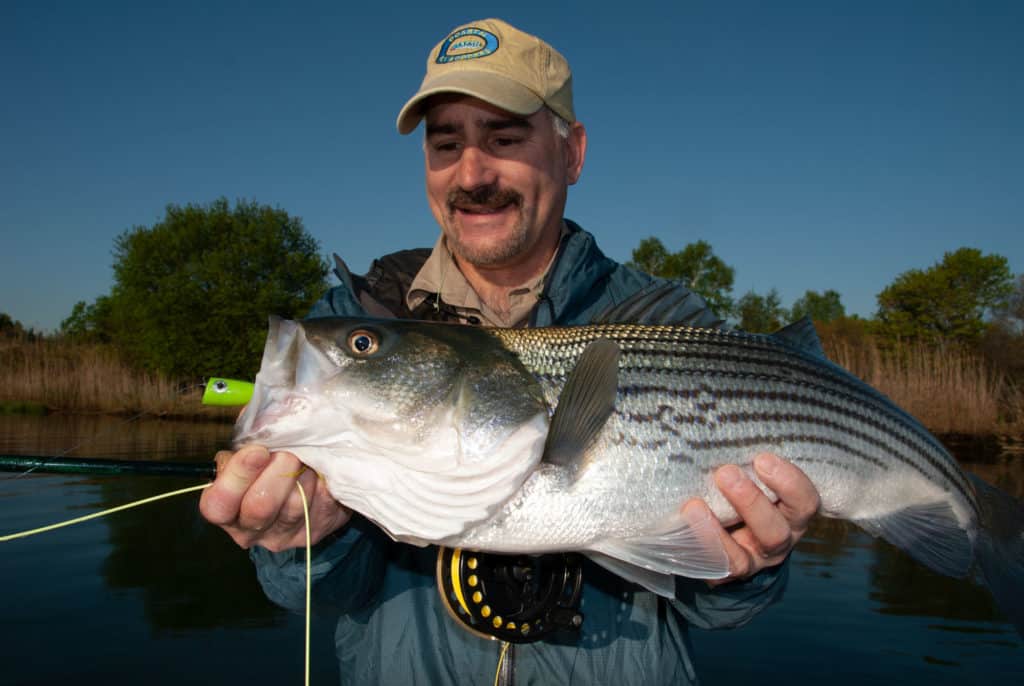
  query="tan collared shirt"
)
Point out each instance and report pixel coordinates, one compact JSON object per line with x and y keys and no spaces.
{"x":441,"y":275}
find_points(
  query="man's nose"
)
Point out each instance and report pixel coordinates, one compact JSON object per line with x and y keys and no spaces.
{"x":475,"y":169}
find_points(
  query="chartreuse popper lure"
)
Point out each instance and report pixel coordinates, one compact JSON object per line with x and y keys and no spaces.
{"x":227,"y":392}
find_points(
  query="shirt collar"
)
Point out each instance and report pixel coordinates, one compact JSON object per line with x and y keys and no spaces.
{"x":440,"y":276}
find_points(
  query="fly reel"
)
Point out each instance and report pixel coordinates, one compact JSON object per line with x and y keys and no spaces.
{"x":514,"y":598}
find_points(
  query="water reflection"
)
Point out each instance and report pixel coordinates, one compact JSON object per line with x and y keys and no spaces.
{"x":159,"y":576}
{"x":142,"y":438}
{"x":188,"y":573}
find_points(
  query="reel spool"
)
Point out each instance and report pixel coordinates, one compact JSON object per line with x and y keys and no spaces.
{"x":514,"y":598}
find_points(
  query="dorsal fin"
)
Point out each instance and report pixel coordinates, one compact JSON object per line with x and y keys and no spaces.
{"x":584,"y":405}
{"x":801,"y":334}
{"x":343,"y":273}
{"x":660,"y":303}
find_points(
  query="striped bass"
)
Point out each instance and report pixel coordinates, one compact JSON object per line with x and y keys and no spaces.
{"x":591,"y":438}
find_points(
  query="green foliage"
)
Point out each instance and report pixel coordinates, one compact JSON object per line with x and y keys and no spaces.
{"x":820,"y":307}
{"x":761,"y":313}
{"x":696,"y":265}
{"x":12,"y":328}
{"x":192,"y":293}
{"x":89,"y":323}
{"x":948,"y":302}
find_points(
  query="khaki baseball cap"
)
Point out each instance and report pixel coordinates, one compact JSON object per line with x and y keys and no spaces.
{"x":497,"y":63}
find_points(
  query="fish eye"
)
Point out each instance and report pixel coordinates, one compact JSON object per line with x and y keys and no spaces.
{"x":363,"y":342}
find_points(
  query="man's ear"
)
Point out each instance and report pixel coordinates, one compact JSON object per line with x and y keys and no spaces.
{"x":575,"y":152}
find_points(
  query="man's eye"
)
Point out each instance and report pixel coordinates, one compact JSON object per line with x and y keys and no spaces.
{"x":505,"y":142}
{"x":448,"y":146}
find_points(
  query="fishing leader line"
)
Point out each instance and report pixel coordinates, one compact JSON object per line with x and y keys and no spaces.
{"x":181,"y":491}
{"x":102,"y":513}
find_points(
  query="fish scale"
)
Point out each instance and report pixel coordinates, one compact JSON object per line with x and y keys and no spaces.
{"x":683,"y":408}
{"x":848,"y":415}
{"x":593,"y":438}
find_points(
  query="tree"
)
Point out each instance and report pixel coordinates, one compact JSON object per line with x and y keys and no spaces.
{"x":192,"y":293}
{"x":761,"y":313}
{"x":696,"y":265}
{"x":12,"y":328}
{"x":89,"y":323}
{"x":1002,"y":344}
{"x":949,"y":301}
{"x":1011,"y":313}
{"x":820,"y":307}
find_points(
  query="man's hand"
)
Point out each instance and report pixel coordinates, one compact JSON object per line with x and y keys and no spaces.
{"x":255,"y":500}
{"x":768,"y":530}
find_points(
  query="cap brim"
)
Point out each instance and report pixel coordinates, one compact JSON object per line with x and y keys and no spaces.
{"x":488,"y":86}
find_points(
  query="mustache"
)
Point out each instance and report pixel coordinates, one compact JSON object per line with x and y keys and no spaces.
{"x":491,"y":197}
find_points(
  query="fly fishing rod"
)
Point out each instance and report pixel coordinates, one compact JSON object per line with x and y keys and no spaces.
{"x":219,"y":392}
{"x":100,"y":466}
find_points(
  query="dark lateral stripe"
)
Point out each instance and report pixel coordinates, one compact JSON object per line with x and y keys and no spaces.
{"x":877,"y":403}
{"x":797,"y":459}
{"x":778,"y":361}
{"x":850,"y":389}
{"x":780,"y":418}
{"x":878,"y":426}
{"x":784,"y":417}
{"x":782,"y":358}
{"x":751,"y":441}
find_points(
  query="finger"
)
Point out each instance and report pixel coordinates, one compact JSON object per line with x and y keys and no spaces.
{"x":221,"y":502}
{"x":741,"y":564}
{"x":798,"y":497}
{"x":263,"y":501}
{"x":221,"y":459}
{"x":770,"y":530}
{"x":292,"y":516}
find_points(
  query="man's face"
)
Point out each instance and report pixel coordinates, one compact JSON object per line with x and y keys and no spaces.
{"x":497,"y":182}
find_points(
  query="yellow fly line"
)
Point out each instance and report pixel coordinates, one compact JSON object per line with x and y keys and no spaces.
{"x":170,"y":494}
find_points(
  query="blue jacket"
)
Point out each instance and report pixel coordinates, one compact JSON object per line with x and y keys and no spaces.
{"x":392,"y":626}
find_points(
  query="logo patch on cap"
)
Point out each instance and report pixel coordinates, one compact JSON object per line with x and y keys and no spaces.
{"x":467,"y":44}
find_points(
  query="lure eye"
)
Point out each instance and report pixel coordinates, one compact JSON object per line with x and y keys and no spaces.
{"x":363,"y":343}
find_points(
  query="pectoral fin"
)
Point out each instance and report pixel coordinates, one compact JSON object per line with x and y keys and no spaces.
{"x":586,"y":402}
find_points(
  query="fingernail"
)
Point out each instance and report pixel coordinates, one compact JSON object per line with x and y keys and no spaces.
{"x":766,"y":463}
{"x":730,"y":475}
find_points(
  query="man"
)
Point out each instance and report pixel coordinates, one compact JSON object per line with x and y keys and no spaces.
{"x":502,"y":146}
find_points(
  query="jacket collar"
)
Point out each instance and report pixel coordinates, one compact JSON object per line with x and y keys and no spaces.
{"x":571,"y":285}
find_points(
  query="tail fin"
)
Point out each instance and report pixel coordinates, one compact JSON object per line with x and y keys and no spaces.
{"x":1000,"y":548}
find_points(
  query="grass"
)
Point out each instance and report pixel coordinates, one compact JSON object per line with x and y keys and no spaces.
{"x":57,"y":375}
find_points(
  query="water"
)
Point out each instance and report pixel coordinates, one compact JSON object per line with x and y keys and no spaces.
{"x":157,"y":594}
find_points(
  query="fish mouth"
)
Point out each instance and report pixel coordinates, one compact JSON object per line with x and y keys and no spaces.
{"x":293,"y":370}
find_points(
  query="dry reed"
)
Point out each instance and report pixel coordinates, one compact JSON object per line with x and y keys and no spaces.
{"x":950,"y":390}
{"x":72,"y":377}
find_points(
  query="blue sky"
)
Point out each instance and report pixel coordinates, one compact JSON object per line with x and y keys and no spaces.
{"x":815,"y":145}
